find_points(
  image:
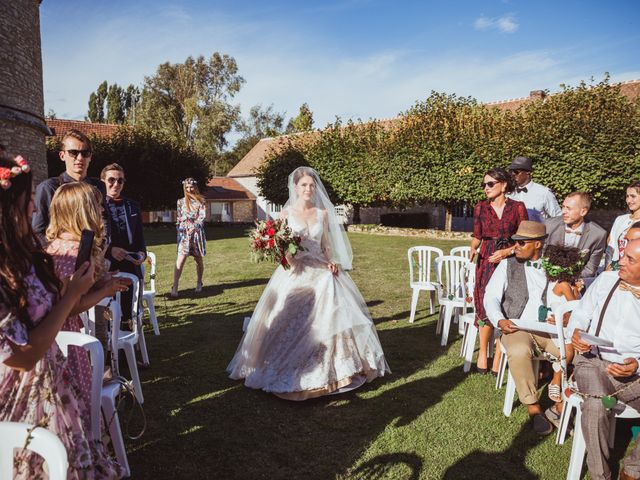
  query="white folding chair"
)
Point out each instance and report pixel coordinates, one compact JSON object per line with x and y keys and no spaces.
{"x":420,"y":262}
{"x":109,"y":395}
{"x":452,"y":291}
{"x":93,"y":346}
{"x":510,"y":393}
{"x":136,"y":313}
{"x":149,"y":295}
{"x":13,"y":435}
{"x":464,"y":252}
{"x":579,"y":448}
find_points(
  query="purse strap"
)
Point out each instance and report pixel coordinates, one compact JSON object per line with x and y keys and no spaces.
{"x":605,"y":306}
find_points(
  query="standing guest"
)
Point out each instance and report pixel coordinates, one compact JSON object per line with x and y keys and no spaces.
{"x":539,"y":200}
{"x":610,"y":309}
{"x":34,"y":386}
{"x":495,"y":220}
{"x":191,"y":236}
{"x":572,"y":230}
{"x":76,"y":154}
{"x":75,"y":207}
{"x":127,"y":248}
{"x":617,"y":241}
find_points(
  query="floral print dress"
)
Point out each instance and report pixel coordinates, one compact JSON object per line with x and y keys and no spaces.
{"x":47,"y":396}
{"x":190,"y":224}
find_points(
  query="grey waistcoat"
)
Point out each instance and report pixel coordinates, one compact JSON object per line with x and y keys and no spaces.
{"x":516,"y":295}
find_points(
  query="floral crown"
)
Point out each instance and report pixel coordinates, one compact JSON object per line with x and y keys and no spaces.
{"x":190,"y":181}
{"x":6,"y":174}
{"x":555,"y":270}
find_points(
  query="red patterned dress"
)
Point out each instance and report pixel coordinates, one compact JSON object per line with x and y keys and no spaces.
{"x":495,"y":234}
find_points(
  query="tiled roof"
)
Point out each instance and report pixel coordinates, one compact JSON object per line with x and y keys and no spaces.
{"x":225,"y":188}
{"x":59,"y":127}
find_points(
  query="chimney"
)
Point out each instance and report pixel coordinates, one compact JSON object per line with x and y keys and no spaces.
{"x":537,"y":95}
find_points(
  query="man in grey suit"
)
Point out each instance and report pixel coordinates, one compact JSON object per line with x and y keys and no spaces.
{"x":572,"y":230}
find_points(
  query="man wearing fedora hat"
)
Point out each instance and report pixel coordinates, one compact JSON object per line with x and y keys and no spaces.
{"x":539,"y":200}
{"x":517,"y":290}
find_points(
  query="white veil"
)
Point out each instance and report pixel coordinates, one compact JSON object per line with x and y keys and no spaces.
{"x":341,"y":252}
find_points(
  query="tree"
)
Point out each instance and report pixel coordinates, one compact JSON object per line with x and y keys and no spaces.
{"x":303,"y":122}
{"x":261,"y":123}
{"x":131,"y":100}
{"x":190,"y":103}
{"x":115,"y":104}
{"x":96,"y":104}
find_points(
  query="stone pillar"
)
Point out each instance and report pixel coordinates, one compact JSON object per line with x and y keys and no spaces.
{"x":22,"y":125}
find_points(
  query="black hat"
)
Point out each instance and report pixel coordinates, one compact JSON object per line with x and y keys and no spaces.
{"x":521,"y":163}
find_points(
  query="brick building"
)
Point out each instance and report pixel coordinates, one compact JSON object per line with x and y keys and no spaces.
{"x":22,"y":124}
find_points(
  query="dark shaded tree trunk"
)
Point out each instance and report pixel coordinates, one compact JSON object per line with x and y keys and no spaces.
{"x":448,"y":217}
{"x":356,"y":214}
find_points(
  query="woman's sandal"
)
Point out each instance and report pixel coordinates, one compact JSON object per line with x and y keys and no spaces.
{"x":554,"y":392}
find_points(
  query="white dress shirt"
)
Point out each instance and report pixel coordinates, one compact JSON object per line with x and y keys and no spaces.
{"x":536,"y":281}
{"x":572,"y":237}
{"x":541,"y":203}
{"x":616,"y":237}
{"x":621,"y":323}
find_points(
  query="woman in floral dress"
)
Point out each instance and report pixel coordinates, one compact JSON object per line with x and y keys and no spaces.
{"x":34,"y":385}
{"x":495,"y":220}
{"x":191,"y":238}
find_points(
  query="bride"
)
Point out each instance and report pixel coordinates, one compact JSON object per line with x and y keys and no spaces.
{"x":310,"y":333}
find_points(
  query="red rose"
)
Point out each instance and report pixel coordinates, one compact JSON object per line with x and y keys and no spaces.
{"x":5,"y":174}
{"x":271,"y":232}
{"x":271,"y":243}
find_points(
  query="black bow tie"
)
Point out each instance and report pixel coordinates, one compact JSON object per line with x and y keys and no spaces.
{"x":523,"y":189}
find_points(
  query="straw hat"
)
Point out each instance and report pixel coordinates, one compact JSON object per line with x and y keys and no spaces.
{"x":528,"y":230}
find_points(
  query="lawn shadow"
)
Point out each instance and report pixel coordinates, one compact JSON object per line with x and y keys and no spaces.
{"x":382,"y":466}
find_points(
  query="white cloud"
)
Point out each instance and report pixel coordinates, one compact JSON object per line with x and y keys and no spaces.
{"x":505,"y":24}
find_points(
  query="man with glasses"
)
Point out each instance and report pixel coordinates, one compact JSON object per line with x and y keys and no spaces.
{"x":517,"y":290}
{"x":127,"y":248}
{"x":539,"y":200}
{"x":76,"y":154}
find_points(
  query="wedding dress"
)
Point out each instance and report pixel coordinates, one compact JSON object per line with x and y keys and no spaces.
{"x":310,"y":333}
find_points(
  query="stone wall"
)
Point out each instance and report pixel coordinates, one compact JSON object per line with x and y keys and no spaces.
{"x":22,"y":126}
{"x":243,"y":211}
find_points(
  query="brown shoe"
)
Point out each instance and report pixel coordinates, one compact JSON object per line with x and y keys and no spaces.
{"x":625,"y":476}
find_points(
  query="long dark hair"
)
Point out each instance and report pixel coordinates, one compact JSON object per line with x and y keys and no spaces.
{"x":501,"y":175}
{"x":20,"y":250}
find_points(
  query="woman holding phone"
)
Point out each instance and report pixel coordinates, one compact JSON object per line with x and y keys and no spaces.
{"x":33,"y":307}
{"x":77,"y":207}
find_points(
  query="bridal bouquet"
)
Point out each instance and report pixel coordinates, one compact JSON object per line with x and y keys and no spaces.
{"x":272,"y":240}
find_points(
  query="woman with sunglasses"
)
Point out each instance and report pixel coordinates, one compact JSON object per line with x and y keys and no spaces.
{"x":495,"y":220}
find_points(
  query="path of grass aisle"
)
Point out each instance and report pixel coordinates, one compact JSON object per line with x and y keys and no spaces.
{"x":426,"y":420}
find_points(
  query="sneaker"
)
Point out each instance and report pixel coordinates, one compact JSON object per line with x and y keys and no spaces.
{"x":198,"y":288}
{"x":553,"y":416}
{"x":541,"y":425}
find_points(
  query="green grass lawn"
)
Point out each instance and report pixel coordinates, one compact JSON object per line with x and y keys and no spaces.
{"x":426,"y":420}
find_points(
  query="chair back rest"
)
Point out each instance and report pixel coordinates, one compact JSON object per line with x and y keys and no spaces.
{"x":464,"y":252}
{"x":451,"y":271}
{"x":151,"y":260}
{"x":96,"y":354}
{"x":43,"y":442}
{"x":559,"y":312}
{"x":421,"y":260}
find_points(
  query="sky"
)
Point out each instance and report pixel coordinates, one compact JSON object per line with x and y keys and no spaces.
{"x":353,"y":59}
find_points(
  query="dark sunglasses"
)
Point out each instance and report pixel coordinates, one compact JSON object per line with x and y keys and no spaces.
{"x":74,"y":153}
{"x":516,"y":172}
{"x":484,"y":185}
{"x":522,"y":243}
{"x":112,"y":180}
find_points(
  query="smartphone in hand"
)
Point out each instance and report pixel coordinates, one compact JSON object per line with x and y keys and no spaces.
{"x":86,"y":245}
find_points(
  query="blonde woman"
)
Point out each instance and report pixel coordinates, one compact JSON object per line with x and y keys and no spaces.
{"x":191,"y":237}
{"x":75,"y":207}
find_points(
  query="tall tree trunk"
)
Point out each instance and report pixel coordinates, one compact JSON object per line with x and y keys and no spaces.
{"x":356,"y":214}
{"x":448,"y":217}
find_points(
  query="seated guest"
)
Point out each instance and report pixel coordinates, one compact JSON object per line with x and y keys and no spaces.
{"x":33,"y":308}
{"x":616,"y":241}
{"x":517,"y":289}
{"x":572,"y":230}
{"x":127,"y":249}
{"x":610,"y":310}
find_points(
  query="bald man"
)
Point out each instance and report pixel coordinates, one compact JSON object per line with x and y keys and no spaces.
{"x":610,"y":310}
